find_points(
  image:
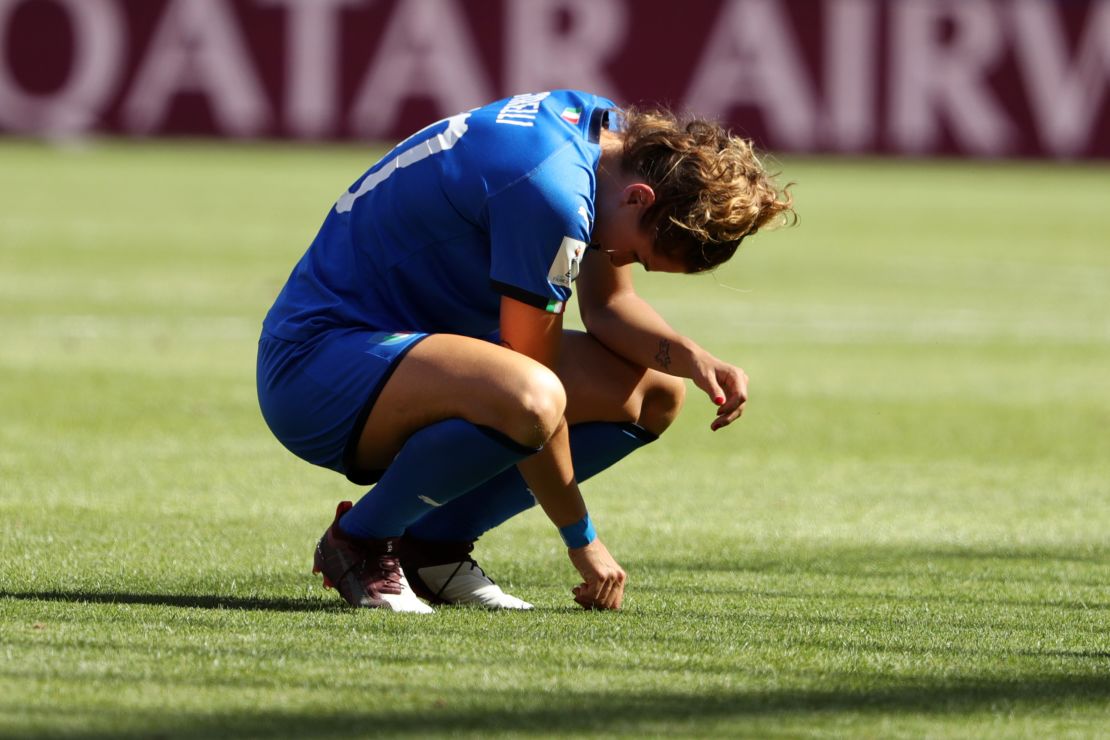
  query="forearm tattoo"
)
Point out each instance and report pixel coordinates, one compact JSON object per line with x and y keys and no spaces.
{"x":663,"y":356}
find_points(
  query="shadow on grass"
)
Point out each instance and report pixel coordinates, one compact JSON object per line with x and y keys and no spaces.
{"x":642,"y":712}
{"x":191,"y":601}
{"x":1077,"y":654}
{"x":228,"y":602}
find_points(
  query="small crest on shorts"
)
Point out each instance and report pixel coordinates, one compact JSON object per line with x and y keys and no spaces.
{"x":390,"y":337}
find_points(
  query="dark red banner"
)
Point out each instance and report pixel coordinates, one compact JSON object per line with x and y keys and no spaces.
{"x":984,"y":78}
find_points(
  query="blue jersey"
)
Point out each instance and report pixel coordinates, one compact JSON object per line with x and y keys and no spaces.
{"x":496,"y":201}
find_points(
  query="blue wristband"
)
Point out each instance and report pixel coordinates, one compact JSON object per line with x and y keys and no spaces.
{"x":579,"y":534}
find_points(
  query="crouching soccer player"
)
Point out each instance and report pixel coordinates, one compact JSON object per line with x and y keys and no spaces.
{"x":418,"y":343}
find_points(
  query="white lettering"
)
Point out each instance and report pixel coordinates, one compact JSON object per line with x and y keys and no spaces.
{"x":523,"y":107}
{"x":1064,"y":95}
{"x":931,"y":80}
{"x":425,"y":52}
{"x":312,"y":64}
{"x":99,"y":47}
{"x":197,"y":47}
{"x":541,"y":57}
{"x":751,"y":58}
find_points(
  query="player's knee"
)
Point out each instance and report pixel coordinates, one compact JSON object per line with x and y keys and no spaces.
{"x":662,"y":400}
{"x":541,"y":402}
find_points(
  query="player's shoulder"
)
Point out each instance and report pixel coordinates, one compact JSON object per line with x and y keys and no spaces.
{"x":545,"y":147}
{"x":513,"y":136}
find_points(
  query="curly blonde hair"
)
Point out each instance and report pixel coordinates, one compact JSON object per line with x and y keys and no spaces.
{"x":711,"y":190}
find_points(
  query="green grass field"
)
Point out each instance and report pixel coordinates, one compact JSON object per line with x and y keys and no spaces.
{"x":905,"y":536}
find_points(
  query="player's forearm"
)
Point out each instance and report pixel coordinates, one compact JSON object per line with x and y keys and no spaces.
{"x":550,"y":476}
{"x":629,"y":326}
{"x":550,"y":472}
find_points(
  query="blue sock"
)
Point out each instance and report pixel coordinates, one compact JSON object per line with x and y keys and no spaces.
{"x":437,"y":464}
{"x":594,"y":446}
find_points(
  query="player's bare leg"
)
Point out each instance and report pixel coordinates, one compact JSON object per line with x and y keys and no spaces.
{"x":453,"y":377}
{"x":601,"y":387}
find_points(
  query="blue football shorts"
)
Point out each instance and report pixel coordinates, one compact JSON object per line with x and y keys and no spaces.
{"x":316,"y":395}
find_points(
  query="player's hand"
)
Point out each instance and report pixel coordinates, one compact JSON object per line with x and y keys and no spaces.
{"x":726,"y":385}
{"x":604,"y":579}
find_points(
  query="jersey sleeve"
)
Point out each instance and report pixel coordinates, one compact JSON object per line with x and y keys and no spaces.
{"x":539,"y":229}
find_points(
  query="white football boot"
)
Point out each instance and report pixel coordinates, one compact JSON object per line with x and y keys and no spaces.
{"x":466,"y":583}
{"x":444,"y":573}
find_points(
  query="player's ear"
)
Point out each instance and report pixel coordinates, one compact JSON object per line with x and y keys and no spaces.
{"x":638,"y":194}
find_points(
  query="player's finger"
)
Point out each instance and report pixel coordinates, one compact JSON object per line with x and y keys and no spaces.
{"x":739,"y":383}
{"x":613,"y":597}
{"x":591,"y":601}
{"x":616,"y":593}
{"x":723,"y":410}
{"x":588,"y":591}
{"x":618,"y":598}
{"x":725,"y":419}
{"x":731,"y":406}
{"x":739,"y":398}
{"x":594,"y":595}
{"x":731,"y":411}
{"x":713,"y":389}
{"x":604,"y":590}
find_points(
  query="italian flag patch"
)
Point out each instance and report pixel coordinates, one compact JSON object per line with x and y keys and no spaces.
{"x":571,"y":115}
